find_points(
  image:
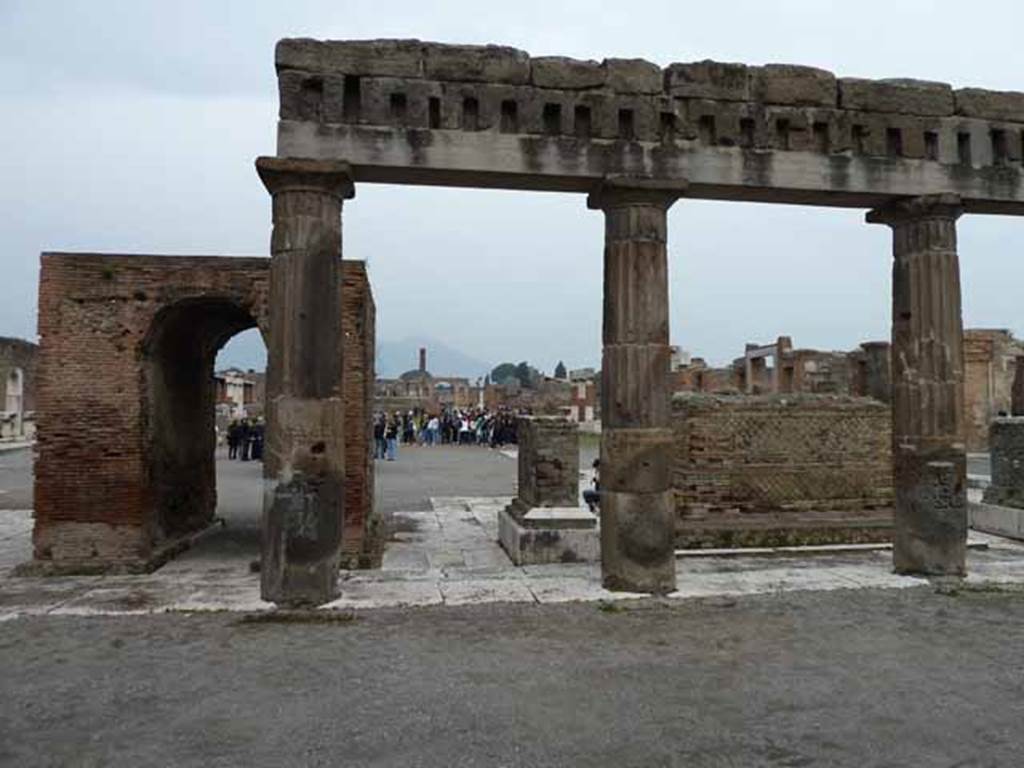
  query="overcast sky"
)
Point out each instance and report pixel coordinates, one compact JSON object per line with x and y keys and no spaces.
{"x":132,"y":127}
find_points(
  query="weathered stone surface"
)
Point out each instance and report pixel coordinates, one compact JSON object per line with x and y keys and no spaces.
{"x":990,"y":105}
{"x":708,"y":80}
{"x":476,"y":63}
{"x":910,"y":97}
{"x":1006,"y":446}
{"x":572,"y":538}
{"x":566,"y":73}
{"x":378,"y":58}
{"x":793,"y":84}
{"x":636,"y":460}
{"x":305,"y":452}
{"x":545,"y":522}
{"x":637,"y":542}
{"x":549,"y":462}
{"x":633,"y":76}
{"x":636,"y":520}
{"x":929,"y":457}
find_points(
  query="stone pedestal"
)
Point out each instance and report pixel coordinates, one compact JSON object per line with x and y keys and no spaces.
{"x":637,"y":516}
{"x":304,"y":457}
{"x":1006,"y":446}
{"x":545,"y":522}
{"x":929,"y":460}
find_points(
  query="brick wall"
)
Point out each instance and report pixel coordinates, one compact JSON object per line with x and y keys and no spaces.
{"x":362,"y":534}
{"x":990,"y":362}
{"x":124,"y":464}
{"x":762,"y":470}
{"x":549,"y":462}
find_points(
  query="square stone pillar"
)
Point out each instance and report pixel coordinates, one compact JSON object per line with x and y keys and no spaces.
{"x":637,"y":513}
{"x":929,"y":459}
{"x":1006,"y":447}
{"x":304,"y":458}
{"x":546,"y":523}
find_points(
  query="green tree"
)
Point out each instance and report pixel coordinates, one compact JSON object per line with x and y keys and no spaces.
{"x":502,"y":373}
{"x":560,"y":372}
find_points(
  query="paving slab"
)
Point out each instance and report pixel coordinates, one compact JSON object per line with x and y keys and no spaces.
{"x":474,"y":591}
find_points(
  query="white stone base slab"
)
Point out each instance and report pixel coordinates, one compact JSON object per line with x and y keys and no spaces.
{"x":573,"y":540}
{"x":990,"y":518}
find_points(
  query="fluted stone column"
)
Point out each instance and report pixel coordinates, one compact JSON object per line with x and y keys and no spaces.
{"x":637,"y":514}
{"x":304,"y":457}
{"x":929,"y":459}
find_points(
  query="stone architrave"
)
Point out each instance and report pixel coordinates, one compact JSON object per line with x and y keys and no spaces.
{"x":929,"y":458}
{"x":637,"y":517}
{"x":304,"y":459}
{"x":545,"y":523}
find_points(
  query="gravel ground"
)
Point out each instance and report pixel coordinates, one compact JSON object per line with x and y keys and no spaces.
{"x":869,"y":678}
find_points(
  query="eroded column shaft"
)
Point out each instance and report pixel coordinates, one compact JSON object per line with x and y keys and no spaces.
{"x":637,"y":517}
{"x":929,"y":460}
{"x":304,"y":457}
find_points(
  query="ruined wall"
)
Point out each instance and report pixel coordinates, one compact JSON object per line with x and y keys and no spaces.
{"x":125,"y":396}
{"x":361,"y":538}
{"x":765,"y":470}
{"x":870,"y":371}
{"x":779,"y":131}
{"x":17,"y":369}
{"x":990,"y":365}
{"x":549,"y":462}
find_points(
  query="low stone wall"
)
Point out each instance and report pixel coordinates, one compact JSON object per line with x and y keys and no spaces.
{"x":549,"y":462}
{"x":781,"y":470}
{"x":1006,"y":441}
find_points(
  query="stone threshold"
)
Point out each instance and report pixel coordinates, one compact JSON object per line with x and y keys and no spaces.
{"x":136,"y":566}
{"x":811,"y":549}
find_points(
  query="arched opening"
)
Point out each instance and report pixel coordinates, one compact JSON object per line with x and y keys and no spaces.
{"x":180,"y":431}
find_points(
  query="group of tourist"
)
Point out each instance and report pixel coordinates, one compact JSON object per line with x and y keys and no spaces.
{"x":452,"y":426}
{"x":245,"y":439}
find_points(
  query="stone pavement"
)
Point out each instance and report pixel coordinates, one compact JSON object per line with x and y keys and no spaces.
{"x":449,"y":556}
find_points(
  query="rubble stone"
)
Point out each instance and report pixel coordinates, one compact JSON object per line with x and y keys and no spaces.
{"x":566,"y":73}
{"x":909,"y":97}
{"x":708,"y":80}
{"x":633,"y":76}
{"x":795,"y":85}
{"x":476,"y":63}
{"x":990,"y":105}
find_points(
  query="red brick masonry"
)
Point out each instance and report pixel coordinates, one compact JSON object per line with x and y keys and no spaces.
{"x":124,"y":470}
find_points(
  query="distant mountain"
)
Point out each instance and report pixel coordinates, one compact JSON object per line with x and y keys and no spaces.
{"x":396,"y":357}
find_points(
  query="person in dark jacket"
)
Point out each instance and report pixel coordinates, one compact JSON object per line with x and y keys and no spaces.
{"x":593,"y":496}
{"x":233,"y":440}
{"x":244,"y":436}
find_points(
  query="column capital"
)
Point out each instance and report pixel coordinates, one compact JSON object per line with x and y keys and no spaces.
{"x":904,"y":210}
{"x":621,"y":191}
{"x":292,"y":174}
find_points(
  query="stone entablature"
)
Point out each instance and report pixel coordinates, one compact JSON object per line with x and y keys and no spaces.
{"x":775,"y":132}
{"x":778,"y":469}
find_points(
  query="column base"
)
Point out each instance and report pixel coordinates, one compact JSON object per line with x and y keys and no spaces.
{"x":300,"y":544}
{"x":930,"y":526}
{"x":546,"y":535}
{"x":638,"y":542}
